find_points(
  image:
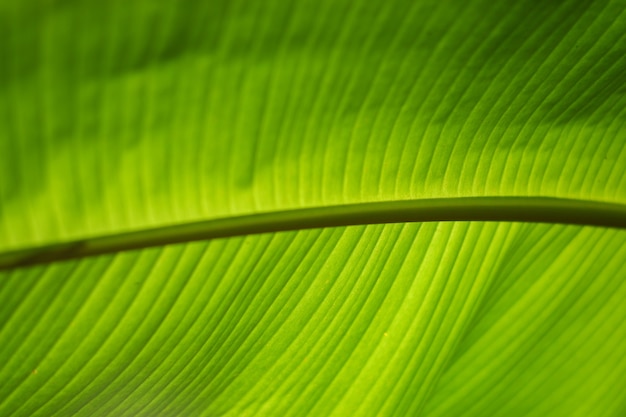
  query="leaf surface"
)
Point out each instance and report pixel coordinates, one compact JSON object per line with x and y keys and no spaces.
{"x":130,"y":116}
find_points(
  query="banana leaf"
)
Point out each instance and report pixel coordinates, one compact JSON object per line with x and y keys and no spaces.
{"x":313,"y":208}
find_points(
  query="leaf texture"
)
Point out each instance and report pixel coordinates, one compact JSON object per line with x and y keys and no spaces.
{"x":360,"y":320}
{"x":181,"y":112}
{"x":122,"y":116}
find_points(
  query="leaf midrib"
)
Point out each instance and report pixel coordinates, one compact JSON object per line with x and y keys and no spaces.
{"x":505,"y":209}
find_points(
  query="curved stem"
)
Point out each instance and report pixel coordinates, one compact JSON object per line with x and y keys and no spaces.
{"x":504,"y":209}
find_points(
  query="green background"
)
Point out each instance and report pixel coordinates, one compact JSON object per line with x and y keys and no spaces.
{"x":127,"y":115}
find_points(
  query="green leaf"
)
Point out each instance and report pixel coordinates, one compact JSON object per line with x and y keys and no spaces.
{"x":374,"y":191}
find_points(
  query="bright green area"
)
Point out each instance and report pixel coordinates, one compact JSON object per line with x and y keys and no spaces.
{"x":120,"y":116}
{"x":436,"y":320}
